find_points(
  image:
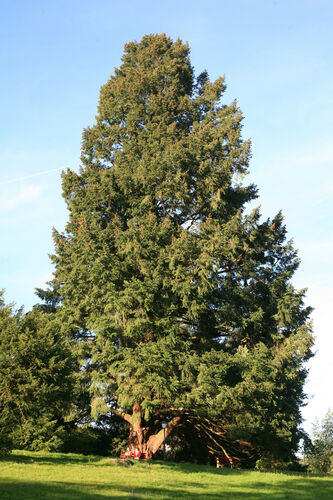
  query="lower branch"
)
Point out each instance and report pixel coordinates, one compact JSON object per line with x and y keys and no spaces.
{"x":154,"y":442}
{"x":121,"y":414}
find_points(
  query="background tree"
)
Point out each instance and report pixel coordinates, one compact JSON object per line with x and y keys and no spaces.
{"x":36,"y":379}
{"x":179,"y":301}
{"x":319,"y":453}
{"x":7,"y":324}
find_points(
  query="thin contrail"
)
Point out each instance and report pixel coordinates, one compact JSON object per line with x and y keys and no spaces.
{"x":18,"y":179}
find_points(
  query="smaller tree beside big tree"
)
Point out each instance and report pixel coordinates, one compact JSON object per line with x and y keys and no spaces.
{"x":36,"y":379}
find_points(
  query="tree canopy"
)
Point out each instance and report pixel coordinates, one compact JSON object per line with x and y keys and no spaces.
{"x":36,"y":379}
{"x":179,"y":299}
{"x":319,"y":452}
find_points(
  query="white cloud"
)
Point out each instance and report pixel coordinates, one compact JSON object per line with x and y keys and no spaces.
{"x":25,"y":177}
{"x":316,"y":257}
{"x":314,"y":164}
{"x":321,"y":155}
{"x":25,"y":194}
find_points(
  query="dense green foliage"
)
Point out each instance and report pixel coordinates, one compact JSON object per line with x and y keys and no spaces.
{"x":319,"y":454}
{"x":36,"y":379}
{"x":179,"y":301}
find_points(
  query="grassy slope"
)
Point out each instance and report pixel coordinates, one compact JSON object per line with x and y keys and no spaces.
{"x":46,"y":476}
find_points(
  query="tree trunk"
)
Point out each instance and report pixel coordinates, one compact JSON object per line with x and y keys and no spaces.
{"x":136,"y":437}
{"x":140,"y":437}
{"x":155,"y":441}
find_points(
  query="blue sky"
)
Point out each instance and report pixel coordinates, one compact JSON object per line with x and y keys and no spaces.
{"x":277,"y":58}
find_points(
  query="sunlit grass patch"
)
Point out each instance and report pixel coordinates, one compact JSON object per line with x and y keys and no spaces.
{"x":56,"y":476}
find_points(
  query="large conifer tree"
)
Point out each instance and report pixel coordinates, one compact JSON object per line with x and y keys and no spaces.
{"x":180,"y":302}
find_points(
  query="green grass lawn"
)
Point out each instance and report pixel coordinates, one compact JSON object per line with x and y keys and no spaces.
{"x":55,"y":476}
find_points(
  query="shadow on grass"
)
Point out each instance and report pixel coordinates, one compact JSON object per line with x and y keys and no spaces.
{"x":188,"y":468}
{"x":302,"y":490}
{"x":23,"y":490}
{"x":206,"y":482}
{"x":55,"y":459}
{"x":102,"y":461}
